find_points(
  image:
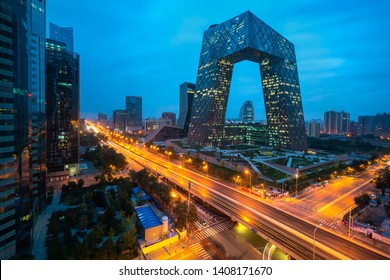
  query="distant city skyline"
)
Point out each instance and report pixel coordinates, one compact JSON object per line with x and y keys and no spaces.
{"x":340,"y":48}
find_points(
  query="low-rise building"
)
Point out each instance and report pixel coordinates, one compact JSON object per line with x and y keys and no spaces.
{"x":151,"y":228}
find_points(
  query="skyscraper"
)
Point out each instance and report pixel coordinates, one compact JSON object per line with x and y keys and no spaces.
{"x":62,"y":34}
{"x":10,"y":178}
{"x":120,"y":117}
{"x":170,"y":116}
{"x":38,"y":106}
{"x":22,"y":133}
{"x":246,"y":37}
{"x":247,"y":112}
{"x":63,"y":108}
{"x":134,"y":112}
{"x":187,"y":91}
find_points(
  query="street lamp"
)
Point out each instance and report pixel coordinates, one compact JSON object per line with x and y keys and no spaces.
{"x":250,"y":177}
{"x":188,"y":206}
{"x":314,"y":241}
{"x":168,"y":154}
{"x":238,"y":180}
{"x":296,"y":184}
{"x":206,"y":166}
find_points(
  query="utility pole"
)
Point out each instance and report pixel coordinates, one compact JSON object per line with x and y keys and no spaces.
{"x":188,"y":205}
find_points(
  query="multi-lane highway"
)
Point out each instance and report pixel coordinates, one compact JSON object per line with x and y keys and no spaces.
{"x":289,"y":232}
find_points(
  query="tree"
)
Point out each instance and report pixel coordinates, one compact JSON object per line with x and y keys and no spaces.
{"x":133,"y":174}
{"x":96,"y":235}
{"x":362,"y":200}
{"x":382,"y":180}
{"x":83,"y":222}
{"x":180,"y":213}
{"x":128,"y":242}
{"x":192,"y":214}
{"x":80,"y":183}
{"x":56,"y":250}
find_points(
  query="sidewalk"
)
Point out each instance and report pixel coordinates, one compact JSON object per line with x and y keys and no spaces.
{"x":171,"y":251}
{"x":40,"y":228}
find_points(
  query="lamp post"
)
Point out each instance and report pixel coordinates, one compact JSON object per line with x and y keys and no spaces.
{"x":206,"y":166}
{"x":238,"y":180}
{"x":250,"y":177}
{"x":168,"y":154}
{"x":296,"y":184}
{"x":188,"y":206}
{"x":314,"y":241}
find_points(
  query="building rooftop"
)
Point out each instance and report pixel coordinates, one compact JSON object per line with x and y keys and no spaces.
{"x":147,"y":216}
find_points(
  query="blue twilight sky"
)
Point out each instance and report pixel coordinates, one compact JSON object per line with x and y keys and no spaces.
{"x":148,"y":48}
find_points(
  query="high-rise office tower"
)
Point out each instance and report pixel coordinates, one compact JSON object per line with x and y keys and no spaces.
{"x":63,"y":108}
{"x":102,"y":119}
{"x":14,"y":152}
{"x":246,"y":37}
{"x":382,"y":125}
{"x":170,"y":116}
{"x":22,"y":133}
{"x":62,"y":34}
{"x":38,"y":105}
{"x":120,"y":117}
{"x":187,"y":91}
{"x":366,"y":125}
{"x":134,"y":112}
{"x":247,"y":112}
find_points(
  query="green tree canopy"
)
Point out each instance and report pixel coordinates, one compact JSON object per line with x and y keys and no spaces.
{"x":382,"y":180}
{"x":362,"y":200}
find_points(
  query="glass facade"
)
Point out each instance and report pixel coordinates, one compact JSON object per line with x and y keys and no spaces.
{"x":62,"y":34}
{"x":22,"y":24}
{"x":119,"y":117}
{"x":134,"y":112}
{"x":245,"y":133}
{"x":63,"y":106}
{"x":187,"y":91}
{"x":247,"y":112}
{"x":246,"y":37}
{"x":8,"y":162}
{"x":38,"y":107}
